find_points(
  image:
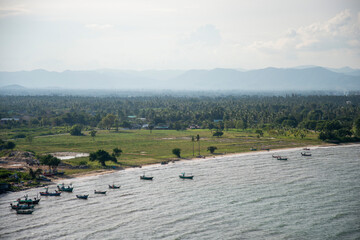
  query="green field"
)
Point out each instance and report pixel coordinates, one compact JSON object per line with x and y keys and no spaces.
{"x":141,"y":147}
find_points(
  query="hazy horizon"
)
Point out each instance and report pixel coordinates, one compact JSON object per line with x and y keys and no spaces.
{"x":162,"y":35}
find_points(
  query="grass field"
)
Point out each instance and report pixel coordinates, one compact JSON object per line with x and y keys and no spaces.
{"x":141,"y":147}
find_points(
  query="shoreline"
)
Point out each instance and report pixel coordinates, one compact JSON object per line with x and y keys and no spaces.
{"x":109,"y":171}
{"x":98,"y":172}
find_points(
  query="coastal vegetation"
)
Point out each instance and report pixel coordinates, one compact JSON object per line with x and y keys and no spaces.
{"x":121,"y":132}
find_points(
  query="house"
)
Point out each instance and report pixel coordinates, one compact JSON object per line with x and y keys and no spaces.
{"x":6,"y":120}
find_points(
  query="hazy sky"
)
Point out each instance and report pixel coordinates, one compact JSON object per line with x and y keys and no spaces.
{"x":186,"y":34}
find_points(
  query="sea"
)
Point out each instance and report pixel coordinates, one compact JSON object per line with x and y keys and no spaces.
{"x":244,"y":196}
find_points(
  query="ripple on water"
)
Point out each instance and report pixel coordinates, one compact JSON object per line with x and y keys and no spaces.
{"x":249,"y":196}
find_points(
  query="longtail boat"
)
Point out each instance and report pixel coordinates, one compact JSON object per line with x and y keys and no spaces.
{"x":114,"y":186}
{"x":304,"y":154}
{"x":28,"y":201}
{"x":21,"y":206}
{"x":62,"y":188}
{"x":143,"y":177}
{"x":82,"y":196}
{"x":186,"y":177}
{"x":99,"y":192}
{"x":24,"y":211}
{"x":47,"y":193}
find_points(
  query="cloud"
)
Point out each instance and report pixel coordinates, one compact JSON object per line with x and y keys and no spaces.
{"x":339,"y":32}
{"x":205,"y":35}
{"x":99,"y":26}
{"x":11,"y":11}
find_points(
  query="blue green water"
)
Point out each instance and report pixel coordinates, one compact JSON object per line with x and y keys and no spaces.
{"x":249,"y":196}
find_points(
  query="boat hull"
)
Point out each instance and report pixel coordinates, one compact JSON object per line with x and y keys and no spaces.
{"x":100,"y":192}
{"x":50,"y":194}
{"x":82,"y":196}
{"x":186,"y":177}
{"x":146,"y":178}
{"x":24,"y":211}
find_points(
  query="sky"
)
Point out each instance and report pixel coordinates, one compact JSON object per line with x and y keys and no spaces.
{"x":168,"y":34}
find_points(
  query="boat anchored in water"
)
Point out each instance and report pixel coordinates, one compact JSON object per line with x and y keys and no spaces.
{"x":99,"y":192}
{"x":62,"y":188}
{"x":305,"y":154}
{"x":82,"y":196}
{"x":281,"y":158}
{"x":143,"y":177}
{"x":113,"y":186}
{"x":47,"y":193}
{"x":183,"y":176}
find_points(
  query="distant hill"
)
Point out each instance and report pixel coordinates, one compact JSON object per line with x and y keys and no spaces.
{"x":13,"y":87}
{"x":268,"y":79}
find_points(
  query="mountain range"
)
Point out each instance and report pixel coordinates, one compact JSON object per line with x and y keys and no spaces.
{"x":306,"y":78}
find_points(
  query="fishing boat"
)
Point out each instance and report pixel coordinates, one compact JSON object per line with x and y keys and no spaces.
{"x":28,"y":201}
{"x":62,"y":188}
{"x":24,"y":211}
{"x":183,"y":176}
{"x":21,"y":206}
{"x":275,"y":156}
{"x":143,"y":177}
{"x":164,"y":163}
{"x":82,"y":196}
{"x":306,"y":149}
{"x":305,"y":154}
{"x":281,"y":158}
{"x":114,"y":186}
{"x":47,"y":193}
{"x":99,"y":192}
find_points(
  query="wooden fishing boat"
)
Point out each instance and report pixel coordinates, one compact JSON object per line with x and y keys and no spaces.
{"x":114,"y":186}
{"x":275,"y":156}
{"x":82,"y":196}
{"x":306,"y":149}
{"x":28,"y":201}
{"x":24,"y":211}
{"x":143,"y":177}
{"x":62,"y":188}
{"x":305,"y":154}
{"x":99,"y":192}
{"x":21,"y":206}
{"x":281,"y":158}
{"x":47,"y":193}
{"x":183,"y":176}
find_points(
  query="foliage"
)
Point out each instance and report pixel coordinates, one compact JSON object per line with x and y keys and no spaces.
{"x":357,"y":127}
{"x":259,"y":132}
{"x":7,"y":145}
{"x":176,"y":152}
{"x":49,"y":160}
{"x":218,"y":134}
{"x":117,"y":152}
{"x":93,"y":133}
{"x":101,"y":156}
{"x":76,"y":130}
{"x":35,"y":174}
{"x":211,"y":149}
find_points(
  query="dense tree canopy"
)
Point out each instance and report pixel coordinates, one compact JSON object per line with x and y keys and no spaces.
{"x":328,"y":114}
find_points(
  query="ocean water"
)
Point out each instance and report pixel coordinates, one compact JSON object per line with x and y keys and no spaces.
{"x":248,"y":196}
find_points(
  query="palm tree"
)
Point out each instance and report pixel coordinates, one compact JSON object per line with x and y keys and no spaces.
{"x":193,"y":141}
{"x":198,"y":140}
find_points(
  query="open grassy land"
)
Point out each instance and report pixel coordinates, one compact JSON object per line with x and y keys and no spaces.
{"x":141,"y":147}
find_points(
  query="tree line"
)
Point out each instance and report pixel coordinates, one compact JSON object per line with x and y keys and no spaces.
{"x":336,"y":117}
